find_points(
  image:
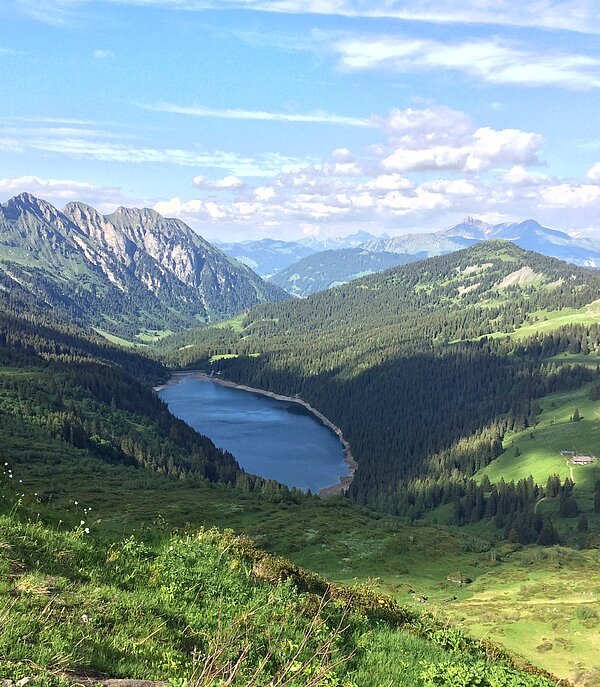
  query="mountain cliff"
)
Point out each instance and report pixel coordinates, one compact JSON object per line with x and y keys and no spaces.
{"x":130,"y":273}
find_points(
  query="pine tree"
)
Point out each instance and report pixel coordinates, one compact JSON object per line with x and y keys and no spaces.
{"x":547,"y":536}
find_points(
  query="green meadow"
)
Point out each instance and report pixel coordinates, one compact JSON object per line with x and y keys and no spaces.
{"x":539,"y":447}
{"x":544,"y":321}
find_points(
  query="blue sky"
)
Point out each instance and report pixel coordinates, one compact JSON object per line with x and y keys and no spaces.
{"x":291,"y":118}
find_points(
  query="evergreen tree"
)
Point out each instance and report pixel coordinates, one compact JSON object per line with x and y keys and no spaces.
{"x":582,"y":523}
{"x":547,"y":536}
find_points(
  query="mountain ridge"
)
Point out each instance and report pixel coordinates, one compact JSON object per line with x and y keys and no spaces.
{"x":528,"y":234}
{"x":126,"y":272}
{"x":270,"y":257}
{"x":329,"y":268}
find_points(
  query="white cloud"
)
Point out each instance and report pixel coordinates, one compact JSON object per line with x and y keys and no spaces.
{"x":429,"y":168}
{"x":228,"y":182}
{"x":491,"y":60}
{"x":487,"y":168}
{"x":437,"y":122}
{"x":342,"y":155}
{"x":343,"y":169}
{"x":507,"y":146}
{"x":62,"y":191}
{"x":264,"y":193}
{"x":60,"y":120}
{"x":568,"y":15}
{"x":259,"y":115}
{"x":443,"y":139}
{"x":571,"y":196}
{"x":392,"y":203}
{"x":519,"y":176}
{"x":111,"y":146}
{"x":594,"y":173}
{"x":457,"y":187}
{"x":388,"y":182}
{"x":103,"y":54}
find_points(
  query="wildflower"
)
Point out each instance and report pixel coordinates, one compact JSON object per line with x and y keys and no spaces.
{"x":87,"y":530}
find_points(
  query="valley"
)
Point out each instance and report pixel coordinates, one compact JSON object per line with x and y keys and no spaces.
{"x":436,"y":372}
{"x":299,"y":343}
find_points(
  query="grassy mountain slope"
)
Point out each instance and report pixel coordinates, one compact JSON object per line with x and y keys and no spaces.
{"x":209,"y":608}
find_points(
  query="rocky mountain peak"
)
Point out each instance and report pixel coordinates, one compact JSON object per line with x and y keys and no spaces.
{"x":531,"y":224}
{"x":140,"y":215}
{"x":103,"y":233}
{"x":127,"y":271}
{"x":28,"y":203}
{"x":471,"y":227}
{"x":81,"y":211}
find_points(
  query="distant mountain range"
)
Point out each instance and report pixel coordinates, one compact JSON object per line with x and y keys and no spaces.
{"x":130,"y":273}
{"x":529,"y":235}
{"x":269,"y":256}
{"x":329,"y":268}
{"x":287,"y":263}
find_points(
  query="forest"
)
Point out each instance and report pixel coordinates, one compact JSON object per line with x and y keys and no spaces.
{"x":418,"y":368}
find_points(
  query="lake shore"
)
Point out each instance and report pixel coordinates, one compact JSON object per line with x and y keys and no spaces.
{"x":344,"y":481}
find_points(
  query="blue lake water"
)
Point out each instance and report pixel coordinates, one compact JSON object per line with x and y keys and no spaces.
{"x":274,"y":439}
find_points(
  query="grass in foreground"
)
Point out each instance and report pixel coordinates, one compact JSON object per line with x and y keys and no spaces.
{"x":331,"y":537}
{"x":208,"y":608}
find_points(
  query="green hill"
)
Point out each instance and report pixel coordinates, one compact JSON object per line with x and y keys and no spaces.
{"x":330,"y":268}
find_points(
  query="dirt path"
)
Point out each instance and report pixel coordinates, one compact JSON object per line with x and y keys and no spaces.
{"x":344,"y":482}
{"x":570,"y":466}
{"x":523,"y":603}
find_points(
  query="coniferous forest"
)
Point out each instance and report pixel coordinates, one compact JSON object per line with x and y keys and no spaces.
{"x":420,"y":369}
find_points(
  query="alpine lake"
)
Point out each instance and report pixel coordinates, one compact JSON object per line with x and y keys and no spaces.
{"x":276,"y":439}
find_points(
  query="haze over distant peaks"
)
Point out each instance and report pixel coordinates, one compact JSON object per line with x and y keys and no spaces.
{"x":329,"y":268}
{"x":527,"y":234}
